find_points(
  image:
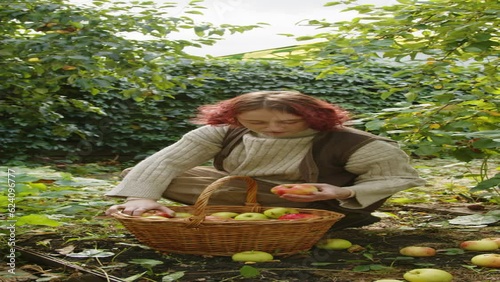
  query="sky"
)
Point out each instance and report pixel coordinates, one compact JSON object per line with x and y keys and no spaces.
{"x":283,"y":17}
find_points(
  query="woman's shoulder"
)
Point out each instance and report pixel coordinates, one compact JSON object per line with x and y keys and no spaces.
{"x":210,"y":133}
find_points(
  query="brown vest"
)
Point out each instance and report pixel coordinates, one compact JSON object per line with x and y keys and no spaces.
{"x":324,"y":162}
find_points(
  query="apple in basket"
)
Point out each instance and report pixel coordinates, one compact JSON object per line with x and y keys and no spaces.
{"x":156,"y":214}
{"x":182,"y":215}
{"x":251,"y":216}
{"x":277,"y":212}
{"x":298,"y":189}
{"x":294,"y":216}
{"x":225,"y":214}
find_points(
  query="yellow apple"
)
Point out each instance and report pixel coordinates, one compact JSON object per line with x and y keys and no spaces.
{"x":479,"y":245}
{"x":417,"y":251}
{"x":388,"y":280}
{"x":277,"y":212}
{"x":225,"y":214}
{"x":251,"y":216}
{"x":428,"y":275}
{"x":182,"y":215}
{"x":487,"y":260}
{"x":252,"y":256}
{"x":495,"y":239}
{"x":334,"y":244}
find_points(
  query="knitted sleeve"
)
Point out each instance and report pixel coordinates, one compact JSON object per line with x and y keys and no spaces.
{"x":150,"y":177}
{"x":383,"y":169}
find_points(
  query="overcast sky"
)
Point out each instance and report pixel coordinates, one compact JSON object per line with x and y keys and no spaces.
{"x":283,"y":17}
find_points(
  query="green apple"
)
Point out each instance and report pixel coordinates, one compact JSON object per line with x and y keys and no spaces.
{"x":487,"y":260}
{"x":494,"y":239}
{"x":225,"y":214}
{"x":417,"y":251}
{"x":334,"y":244}
{"x":277,"y":212}
{"x":252,"y":256}
{"x":388,"y":280}
{"x":182,"y":215}
{"x":251,"y":216}
{"x":479,"y":245}
{"x":428,"y":275}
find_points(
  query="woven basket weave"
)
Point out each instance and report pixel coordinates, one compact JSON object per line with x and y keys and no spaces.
{"x":199,"y":236}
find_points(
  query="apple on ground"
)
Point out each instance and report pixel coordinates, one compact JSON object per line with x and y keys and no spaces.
{"x":252,"y":256}
{"x":225,"y":214}
{"x":388,"y":280}
{"x":251,"y":216}
{"x":495,"y":239}
{"x":487,"y":260}
{"x":333,"y":244}
{"x":277,"y":212}
{"x":294,"y":216}
{"x":417,"y":251}
{"x":298,"y":189}
{"x":479,"y":245}
{"x":428,"y":275}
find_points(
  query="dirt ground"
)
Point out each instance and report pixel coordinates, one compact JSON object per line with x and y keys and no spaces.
{"x":377,"y":258}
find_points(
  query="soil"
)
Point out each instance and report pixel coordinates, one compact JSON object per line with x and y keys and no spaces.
{"x":377,"y":256}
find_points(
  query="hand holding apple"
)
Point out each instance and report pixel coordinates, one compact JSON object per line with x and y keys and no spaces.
{"x":137,"y":206}
{"x":297,"y":189}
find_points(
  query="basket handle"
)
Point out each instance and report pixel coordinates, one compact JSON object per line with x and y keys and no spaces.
{"x":202,"y":201}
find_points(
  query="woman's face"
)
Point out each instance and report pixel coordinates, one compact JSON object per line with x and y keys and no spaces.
{"x":272,"y":123}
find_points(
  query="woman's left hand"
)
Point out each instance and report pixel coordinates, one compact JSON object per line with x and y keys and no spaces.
{"x":325,"y":192}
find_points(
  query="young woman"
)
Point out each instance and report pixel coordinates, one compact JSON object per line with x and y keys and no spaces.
{"x":275,"y":137}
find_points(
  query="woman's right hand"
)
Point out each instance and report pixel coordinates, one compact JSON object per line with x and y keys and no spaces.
{"x":137,"y":206}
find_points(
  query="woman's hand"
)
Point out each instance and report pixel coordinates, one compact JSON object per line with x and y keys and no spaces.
{"x":325,"y":192}
{"x":137,"y":206}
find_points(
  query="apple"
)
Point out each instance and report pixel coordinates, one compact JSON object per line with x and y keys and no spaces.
{"x":251,"y":216}
{"x":156,"y":213}
{"x":479,"y":245}
{"x":388,"y":280}
{"x":416,"y":251}
{"x":428,"y":275}
{"x":298,"y":189}
{"x":225,"y":214}
{"x":252,"y":256}
{"x":487,"y":260}
{"x":183,"y":215}
{"x":495,"y":239}
{"x":293,"y":216}
{"x":333,"y":244}
{"x":277,"y":212}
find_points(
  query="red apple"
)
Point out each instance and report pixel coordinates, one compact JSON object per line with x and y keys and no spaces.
{"x":479,"y":245}
{"x":293,"y":216}
{"x":416,"y":251}
{"x":298,"y":189}
{"x":487,"y":260}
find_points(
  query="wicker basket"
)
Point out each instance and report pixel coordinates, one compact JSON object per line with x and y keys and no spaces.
{"x":199,"y":236}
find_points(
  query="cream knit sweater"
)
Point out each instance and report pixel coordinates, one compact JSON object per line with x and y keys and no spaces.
{"x":383,"y":169}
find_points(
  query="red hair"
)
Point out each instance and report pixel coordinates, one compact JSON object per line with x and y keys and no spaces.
{"x":318,"y":114}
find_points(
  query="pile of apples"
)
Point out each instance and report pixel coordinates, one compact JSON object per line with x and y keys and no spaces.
{"x":272,"y":213}
{"x":279,"y":213}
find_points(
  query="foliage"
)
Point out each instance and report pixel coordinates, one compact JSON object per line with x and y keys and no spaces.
{"x":449,"y":53}
{"x":52,"y":49}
